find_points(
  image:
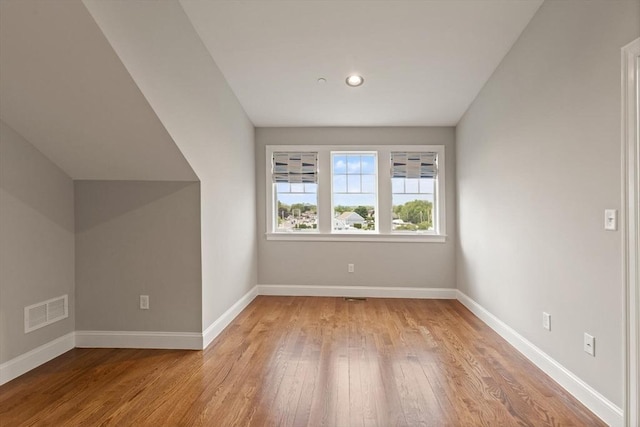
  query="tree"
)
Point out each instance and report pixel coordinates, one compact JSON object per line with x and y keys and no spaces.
{"x":417,"y":212}
{"x":300,"y":208}
{"x":284,"y":210}
{"x":362,"y":211}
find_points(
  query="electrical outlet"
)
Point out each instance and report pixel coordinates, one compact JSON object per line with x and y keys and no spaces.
{"x":589,"y":344}
{"x":546,"y":321}
{"x":351,"y":268}
{"x":144,"y":302}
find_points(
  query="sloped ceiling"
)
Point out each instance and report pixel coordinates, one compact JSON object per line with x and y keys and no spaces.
{"x":64,"y":89}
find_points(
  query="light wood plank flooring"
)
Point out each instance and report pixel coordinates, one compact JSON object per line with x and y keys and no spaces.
{"x":297,"y":361}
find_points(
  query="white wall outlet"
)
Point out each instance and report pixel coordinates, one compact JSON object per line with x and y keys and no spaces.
{"x":144,"y":302}
{"x":546,"y":321}
{"x":589,"y":344}
{"x":351,"y":268}
{"x":610,"y":219}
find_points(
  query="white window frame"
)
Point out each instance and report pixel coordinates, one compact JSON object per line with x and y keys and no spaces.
{"x":384,"y":231}
{"x":376,"y":205}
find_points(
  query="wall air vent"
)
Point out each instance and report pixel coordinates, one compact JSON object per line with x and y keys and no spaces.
{"x":45,"y":313}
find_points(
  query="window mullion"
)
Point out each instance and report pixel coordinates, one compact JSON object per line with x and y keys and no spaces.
{"x":383,"y":211}
{"x":324,"y":191}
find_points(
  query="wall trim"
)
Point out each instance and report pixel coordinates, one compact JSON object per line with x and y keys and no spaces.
{"x":139,"y":339}
{"x":38,"y":356}
{"x":357,"y":291}
{"x":592,"y":399}
{"x":211,"y":332}
{"x":630,"y":226}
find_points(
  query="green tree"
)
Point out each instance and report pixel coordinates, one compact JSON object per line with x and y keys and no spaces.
{"x":300,"y":208}
{"x":284,"y":210}
{"x":417,"y":212}
{"x":341,"y":209}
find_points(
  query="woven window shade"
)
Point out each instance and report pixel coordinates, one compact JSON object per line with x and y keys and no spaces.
{"x":414,"y":165}
{"x":295,"y":168}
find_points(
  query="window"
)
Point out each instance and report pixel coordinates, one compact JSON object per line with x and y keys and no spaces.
{"x":356,"y":193}
{"x":295,"y":191}
{"x":412,"y":191}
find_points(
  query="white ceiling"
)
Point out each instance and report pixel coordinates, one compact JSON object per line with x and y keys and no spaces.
{"x":423,"y":61}
{"x":64,"y":89}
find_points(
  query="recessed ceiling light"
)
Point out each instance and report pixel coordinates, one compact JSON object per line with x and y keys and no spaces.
{"x":354,"y":80}
{"x":322,"y":80}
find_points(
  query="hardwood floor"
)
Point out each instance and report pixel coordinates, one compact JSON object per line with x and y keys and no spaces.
{"x":294,"y":361}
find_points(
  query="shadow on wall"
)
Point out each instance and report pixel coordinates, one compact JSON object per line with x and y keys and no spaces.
{"x":107,"y":200}
{"x":29,"y":179}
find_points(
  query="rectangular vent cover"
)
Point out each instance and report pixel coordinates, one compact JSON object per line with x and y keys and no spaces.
{"x":45,"y":313}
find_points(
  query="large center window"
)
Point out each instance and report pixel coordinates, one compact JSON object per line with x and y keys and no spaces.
{"x":354,"y":191}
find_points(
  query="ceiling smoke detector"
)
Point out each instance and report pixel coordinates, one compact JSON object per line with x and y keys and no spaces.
{"x":354,"y":80}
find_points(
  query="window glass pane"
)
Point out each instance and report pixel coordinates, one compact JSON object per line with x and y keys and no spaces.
{"x":411,"y":186}
{"x":283,"y":187}
{"x":368,"y":183}
{"x":427,"y":186}
{"x":340,"y":164}
{"x":353,"y":183}
{"x":412,"y":205}
{"x":353,"y":164}
{"x":354,"y":193}
{"x":296,"y":208}
{"x":340,"y":183}
{"x":368,"y":164}
{"x":397,"y":185}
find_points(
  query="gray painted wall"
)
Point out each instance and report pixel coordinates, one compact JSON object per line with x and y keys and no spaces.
{"x":175,"y":72}
{"x":138,"y":238}
{"x":428,"y":265}
{"x":36,"y":242}
{"x":538,"y":162}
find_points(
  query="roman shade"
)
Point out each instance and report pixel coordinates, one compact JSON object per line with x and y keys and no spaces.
{"x":414,"y":165}
{"x":295,"y":168}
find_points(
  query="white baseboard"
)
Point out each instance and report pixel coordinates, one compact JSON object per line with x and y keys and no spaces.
{"x":227,"y":317}
{"x":597,"y":403}
{"x":36,"y":357}
{"x":357,"y":291}
{"x":139,"y":339}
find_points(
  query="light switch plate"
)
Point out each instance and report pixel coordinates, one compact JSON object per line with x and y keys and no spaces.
{"x":610,"y":219}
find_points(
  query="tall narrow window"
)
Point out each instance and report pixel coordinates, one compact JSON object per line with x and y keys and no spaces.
{"x":295,"y":191}
{"x":413,"y":187}
{"x":354,"y":191}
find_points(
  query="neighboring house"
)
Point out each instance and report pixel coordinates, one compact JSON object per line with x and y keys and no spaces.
{"x":339,"y":224}
{"x":350,"y":218}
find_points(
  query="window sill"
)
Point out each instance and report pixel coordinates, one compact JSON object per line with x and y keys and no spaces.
{"x":351,"y":237}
